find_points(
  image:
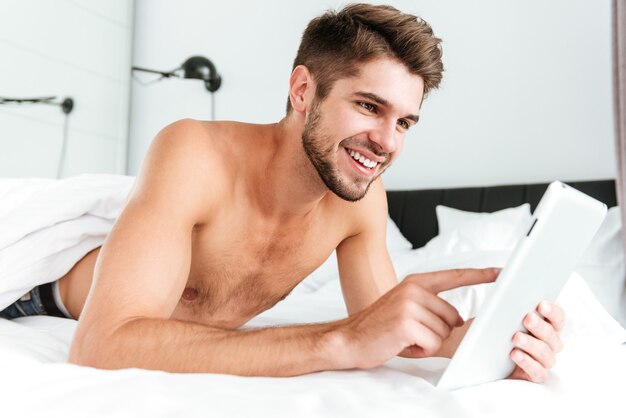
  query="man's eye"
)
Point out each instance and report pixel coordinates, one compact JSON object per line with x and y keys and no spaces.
{"x":367,"y":106}
{"x":404,"y":124}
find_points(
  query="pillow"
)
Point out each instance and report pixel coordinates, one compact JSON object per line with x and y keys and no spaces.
{"x":449,"y":219}
{"x":396,"y":244}
{"x":395,"y":240}
{"x":603,"y":266}
{"x":462,"y":231}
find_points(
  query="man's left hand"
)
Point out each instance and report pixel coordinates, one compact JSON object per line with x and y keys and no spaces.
{"x":535,"y":353}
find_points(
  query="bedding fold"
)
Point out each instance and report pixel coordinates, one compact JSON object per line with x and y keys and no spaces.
{"x":48,"y":225}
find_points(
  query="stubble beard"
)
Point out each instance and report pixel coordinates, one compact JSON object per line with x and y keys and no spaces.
{"x":313,"y":142}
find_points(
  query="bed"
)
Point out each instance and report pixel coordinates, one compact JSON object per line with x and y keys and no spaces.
{"x":427,"y":230}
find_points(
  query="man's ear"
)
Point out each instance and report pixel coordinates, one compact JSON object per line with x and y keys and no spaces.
{"x":301,"y":88}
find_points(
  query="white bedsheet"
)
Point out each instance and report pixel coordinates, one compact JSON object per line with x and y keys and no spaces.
{"x":588,"y":379}
{"x":49,"y":225}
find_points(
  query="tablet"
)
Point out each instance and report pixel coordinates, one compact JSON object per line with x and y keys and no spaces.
{"x":560,"y":230}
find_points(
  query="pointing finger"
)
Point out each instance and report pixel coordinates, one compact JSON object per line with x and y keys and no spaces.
{"x":438,"y":281}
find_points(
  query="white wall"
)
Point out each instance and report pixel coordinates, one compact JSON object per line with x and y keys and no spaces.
{"x":76,"y":48}
{"x":526,"y":94}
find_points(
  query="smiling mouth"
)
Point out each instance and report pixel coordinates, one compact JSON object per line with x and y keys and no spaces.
{"x":364,"y":162}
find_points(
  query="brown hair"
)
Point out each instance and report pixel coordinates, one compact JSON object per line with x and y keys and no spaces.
{"x":335,"y":43}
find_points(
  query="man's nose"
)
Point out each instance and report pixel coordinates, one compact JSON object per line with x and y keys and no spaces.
{"x":385,"y":136}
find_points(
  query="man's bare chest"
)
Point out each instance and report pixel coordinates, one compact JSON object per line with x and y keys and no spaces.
{"x":238,"y":272}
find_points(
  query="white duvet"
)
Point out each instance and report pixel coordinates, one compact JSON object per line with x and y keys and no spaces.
{"x":589,"y":378}
{"x":47,"y":225}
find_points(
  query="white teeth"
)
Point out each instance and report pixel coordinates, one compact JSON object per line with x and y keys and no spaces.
{"x":365,"y":161}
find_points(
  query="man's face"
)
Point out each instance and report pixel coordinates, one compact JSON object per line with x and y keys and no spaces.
{"x":355,"y":133}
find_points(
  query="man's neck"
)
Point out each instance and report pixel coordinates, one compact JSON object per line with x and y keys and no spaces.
{"x":288,"y":186}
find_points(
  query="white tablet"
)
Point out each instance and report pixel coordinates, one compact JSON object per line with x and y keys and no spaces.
{"x":561,"y":228}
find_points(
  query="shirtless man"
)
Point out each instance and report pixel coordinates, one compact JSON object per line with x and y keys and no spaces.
{"x":227,"y":218}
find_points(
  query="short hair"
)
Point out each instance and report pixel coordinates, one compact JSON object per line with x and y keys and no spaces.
{"x":336,"y":43}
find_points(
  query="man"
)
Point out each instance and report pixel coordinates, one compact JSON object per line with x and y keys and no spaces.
{"x":227,"y":218}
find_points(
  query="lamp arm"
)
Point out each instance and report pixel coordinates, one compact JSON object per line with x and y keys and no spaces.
{"x":164,"y":74}
{"x":67,"y":104}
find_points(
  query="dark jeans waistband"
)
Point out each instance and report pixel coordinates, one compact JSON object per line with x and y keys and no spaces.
{"x":39,"y":301}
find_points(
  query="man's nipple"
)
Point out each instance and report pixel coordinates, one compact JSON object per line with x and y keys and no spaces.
{"x":190,"y":293}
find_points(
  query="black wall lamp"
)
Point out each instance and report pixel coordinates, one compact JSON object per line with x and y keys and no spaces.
{"x":67,"y":104}
{"x":196,"y":67}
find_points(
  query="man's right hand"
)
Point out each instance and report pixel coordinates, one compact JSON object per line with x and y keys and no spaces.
{"x":410,"y":317}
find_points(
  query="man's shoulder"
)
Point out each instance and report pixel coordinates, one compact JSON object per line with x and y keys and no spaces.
{"x":195,"y":144}
{"x":179,"y":149}
{"x":207,"y":140}
{"x":188,"y":134}
{"x":184,"y":164}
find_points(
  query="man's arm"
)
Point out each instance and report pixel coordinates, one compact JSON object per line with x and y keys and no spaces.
{"x":365,"y":268}
{"x":144,"y":266}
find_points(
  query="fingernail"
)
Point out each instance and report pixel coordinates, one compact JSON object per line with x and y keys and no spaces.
{"x":460,"y":321}
{"x":532,"y":319}
{"x":545,"y":307}
{"x":518,"y":356}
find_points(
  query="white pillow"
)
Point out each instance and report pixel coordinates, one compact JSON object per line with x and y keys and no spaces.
{"x":397,"y":244}
{"x":603,"y":266}
{"x":462,"y":231}
{"x":449,"y":219}
{"x":395,"y":240}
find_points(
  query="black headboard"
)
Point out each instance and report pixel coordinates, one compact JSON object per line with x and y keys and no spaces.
{"x":414,"y":210}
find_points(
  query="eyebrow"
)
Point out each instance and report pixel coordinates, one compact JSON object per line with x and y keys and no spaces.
{"x":383,"y":102}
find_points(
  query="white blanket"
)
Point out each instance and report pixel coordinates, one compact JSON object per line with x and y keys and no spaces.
{"x":588,"y":378}
{"x":38,"y":381}
{"x":47,"y":225}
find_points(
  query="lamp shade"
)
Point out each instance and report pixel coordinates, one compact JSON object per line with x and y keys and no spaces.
{"x":202,"y":68}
